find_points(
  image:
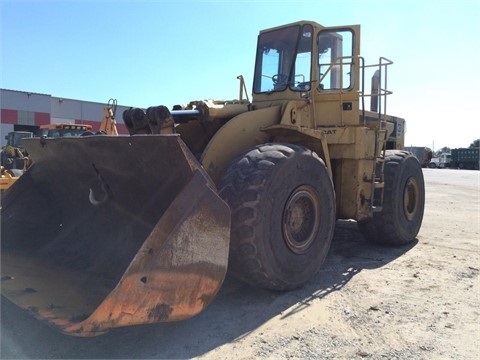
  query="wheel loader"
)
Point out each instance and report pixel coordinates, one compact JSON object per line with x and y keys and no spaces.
{"x":110,"y":231}
{"x":14,"y":160}
{"x":13,"y":155}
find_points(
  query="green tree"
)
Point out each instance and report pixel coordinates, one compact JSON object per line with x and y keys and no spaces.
{"x":475,"y":144}
{"x":444,"y":150}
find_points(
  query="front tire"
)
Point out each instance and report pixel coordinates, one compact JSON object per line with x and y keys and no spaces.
{"x":403,"y":202}
{"x":283,"y":215}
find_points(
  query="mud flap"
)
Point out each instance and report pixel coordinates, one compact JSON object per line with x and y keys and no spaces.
{"x":107,"y":231}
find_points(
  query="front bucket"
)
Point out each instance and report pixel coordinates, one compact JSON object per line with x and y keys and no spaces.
{"x":103,"y":232}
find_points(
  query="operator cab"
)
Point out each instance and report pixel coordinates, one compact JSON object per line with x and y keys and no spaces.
{"x":14,"y":138}
{"x":285,"y":57}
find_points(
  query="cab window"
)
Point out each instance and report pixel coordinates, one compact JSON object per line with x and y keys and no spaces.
{"x":335,"y":62}
{"x":284,"y":59}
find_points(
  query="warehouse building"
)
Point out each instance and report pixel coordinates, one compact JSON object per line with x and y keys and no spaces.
{"x":26,"y":111}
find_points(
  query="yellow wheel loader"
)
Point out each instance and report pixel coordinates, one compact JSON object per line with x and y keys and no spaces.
{"x":13,"y":158}
{"x":108,"y":231}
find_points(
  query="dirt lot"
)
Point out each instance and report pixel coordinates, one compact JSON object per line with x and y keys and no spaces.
{"x":415,"y":302}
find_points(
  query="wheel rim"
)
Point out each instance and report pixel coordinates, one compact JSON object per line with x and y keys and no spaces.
{"x":301,"y":219}
{"x":411,"y":198}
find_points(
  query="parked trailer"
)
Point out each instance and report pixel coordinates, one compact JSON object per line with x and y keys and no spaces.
{"x":465,"y":158}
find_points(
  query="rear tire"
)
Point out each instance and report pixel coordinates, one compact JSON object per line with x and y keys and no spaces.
{"x":403,"y":202}
{"x":283,"y":215}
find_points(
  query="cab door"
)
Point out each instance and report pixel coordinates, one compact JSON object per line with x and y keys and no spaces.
{"x":336,"y":92}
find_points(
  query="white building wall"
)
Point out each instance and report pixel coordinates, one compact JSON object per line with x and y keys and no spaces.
{"x":4,"y":130}
{"x":24,"y":101}
{"x":65,"y":109}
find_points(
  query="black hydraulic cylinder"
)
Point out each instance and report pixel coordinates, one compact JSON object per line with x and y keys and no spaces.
{"x":181,"y":116}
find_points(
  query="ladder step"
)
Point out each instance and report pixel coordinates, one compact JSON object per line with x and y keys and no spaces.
{"x":379,"y":185}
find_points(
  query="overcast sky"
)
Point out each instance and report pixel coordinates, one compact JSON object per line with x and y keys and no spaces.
{"x":147,"y":53}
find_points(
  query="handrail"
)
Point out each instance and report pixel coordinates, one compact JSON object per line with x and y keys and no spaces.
{"x":381,"y":92}
{"x":362,"y":84}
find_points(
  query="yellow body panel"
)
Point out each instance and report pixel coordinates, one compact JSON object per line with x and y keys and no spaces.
{"x":238,"y":135}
